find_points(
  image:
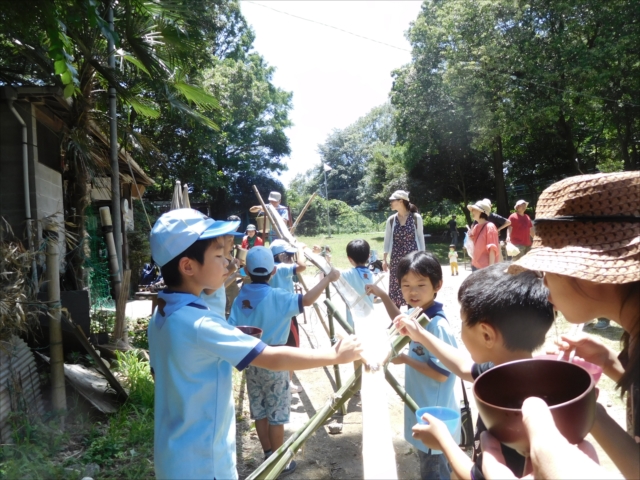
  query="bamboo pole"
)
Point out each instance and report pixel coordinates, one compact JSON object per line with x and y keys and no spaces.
{"x":399,"y":389}
{"x":120,"y":330}
{"x":332,"y":338}
{"x":273,"y":466}
{"x":58,"y":392}
{"x":107,"y":230}
{"x":315,"y":306}
{"x":304,"y":210}
{"x":338,"y":316}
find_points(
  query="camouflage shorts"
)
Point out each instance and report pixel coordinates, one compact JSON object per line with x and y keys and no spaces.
{"x":268,"y":395}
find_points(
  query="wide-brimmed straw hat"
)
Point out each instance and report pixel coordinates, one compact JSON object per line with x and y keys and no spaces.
{"x":588,"y":227}
{"x":482,"y":206}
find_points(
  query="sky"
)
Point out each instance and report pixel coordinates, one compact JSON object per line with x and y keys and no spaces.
{"x":335,"y":77}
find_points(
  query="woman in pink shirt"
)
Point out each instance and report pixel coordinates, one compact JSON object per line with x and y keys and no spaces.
{"x":484,"y":236}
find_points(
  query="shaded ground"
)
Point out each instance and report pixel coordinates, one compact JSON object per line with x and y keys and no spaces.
{"x":339,"y":456}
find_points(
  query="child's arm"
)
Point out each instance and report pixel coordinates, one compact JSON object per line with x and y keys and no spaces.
{"x":313,"y":294}
{"x":450,"y":356}
{"x":392,"y":310}
{"x":436,"y":436}
{"x":618,"y":444}
{"x":289,"y":358}
{"x":301,"y":266}
{"x":421,"y":367}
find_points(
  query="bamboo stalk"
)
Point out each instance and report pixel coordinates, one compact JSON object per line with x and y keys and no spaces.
{"x":315,"y":306}
{"x":338,"y":316}
{"x":332,"y":338}
{"x":58,"y":392}
{"x":399,"y":389}
{"x":304,"y":210}
{"x":281,"y":457}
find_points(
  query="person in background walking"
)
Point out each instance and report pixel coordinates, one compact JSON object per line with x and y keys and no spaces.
{"x":402,"y":235}
{"x":520,"y":230}
{"x":484,"y":234}
{"x":453,"y":260}
{"x":453,"y":230}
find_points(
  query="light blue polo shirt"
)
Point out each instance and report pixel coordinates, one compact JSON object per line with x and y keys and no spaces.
{"x":192,"y":350}
{"x":283,"y":278}
{"x":424,"y":390}
{"x":260,"y":305}
{"x":216,"y":301}
{"x":358,"y":277}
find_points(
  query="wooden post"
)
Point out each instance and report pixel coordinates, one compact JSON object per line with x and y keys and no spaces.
{"x":332,"y":338}
{"x":58,"y":392}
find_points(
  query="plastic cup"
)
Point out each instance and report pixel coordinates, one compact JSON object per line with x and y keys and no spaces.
{"x":592,"y":368}
{"x":451,"y":418}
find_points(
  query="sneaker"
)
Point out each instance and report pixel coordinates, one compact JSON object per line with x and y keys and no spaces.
{"x":602,"y":324}
{"x":293,"y":388}
{"x":290,"y":468}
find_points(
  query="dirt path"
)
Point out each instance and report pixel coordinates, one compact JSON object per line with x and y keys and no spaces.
{"x":339,"y":456}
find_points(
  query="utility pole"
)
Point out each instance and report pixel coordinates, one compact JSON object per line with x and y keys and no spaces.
{"x":113,"y":136}
{"x":327,"y":168}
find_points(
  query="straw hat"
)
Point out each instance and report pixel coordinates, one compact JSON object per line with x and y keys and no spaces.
{"x":588,"y":227}
{"x":482,"y":206}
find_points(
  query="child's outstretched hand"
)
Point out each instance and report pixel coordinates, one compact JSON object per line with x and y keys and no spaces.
{"x":432,"y":433}
{"x":407,"y":326}
{"x":348,"y":349}
{"x":372,"y":289}
{"x":333,"y":275}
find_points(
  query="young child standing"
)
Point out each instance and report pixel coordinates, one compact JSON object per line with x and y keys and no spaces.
{"x":192,"y":350}
{"x":427,"y":380}
{"x":359,"y":276}
{"x":260,"y":305}
{"x":504,"y":318}
{"x":288,"y":265}
{"x":453,"y":260}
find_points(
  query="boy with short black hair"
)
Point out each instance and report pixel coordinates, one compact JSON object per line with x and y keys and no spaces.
{"x":359,"y":276}
{"x":270,"y":309}
{"x":504,"y":318}
{"x":193,"y":348}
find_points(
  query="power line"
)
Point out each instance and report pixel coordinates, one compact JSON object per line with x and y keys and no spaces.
{"x":329,"y":26}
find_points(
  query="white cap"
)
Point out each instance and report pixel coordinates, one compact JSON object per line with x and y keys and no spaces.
{"x":521,"y":202}
{"x":274,"y":196}
{"x":481,"y":205}
{"x":400,"y":195}
{"x":177,"y":230}
{"x":251,"y":226}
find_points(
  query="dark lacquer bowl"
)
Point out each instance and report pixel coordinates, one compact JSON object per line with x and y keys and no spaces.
{"x":568,"y":390}
{"x":253,"y":331}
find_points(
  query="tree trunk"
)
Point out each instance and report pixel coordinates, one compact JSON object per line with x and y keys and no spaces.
{"x":567,"y":135}
{"x":498,"y":174}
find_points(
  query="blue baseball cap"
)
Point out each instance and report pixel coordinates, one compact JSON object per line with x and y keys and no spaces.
{"x":177,"y":230}
{"x":279,"y":246}
{"x":259,"y":261}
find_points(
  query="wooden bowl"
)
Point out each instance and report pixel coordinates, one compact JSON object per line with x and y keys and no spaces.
{"x":567,"y":388}
{"x":253,"y":331}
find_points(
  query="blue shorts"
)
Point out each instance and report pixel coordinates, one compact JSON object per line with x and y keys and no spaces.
{"x":269,"y":395}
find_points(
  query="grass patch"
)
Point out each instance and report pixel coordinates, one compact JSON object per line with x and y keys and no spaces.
{"x":120,"y":444}
{"x":338,"y":244}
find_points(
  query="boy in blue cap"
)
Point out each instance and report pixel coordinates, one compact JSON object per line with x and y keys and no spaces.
{"x":260,"y":305}
{"x":192,"y":350}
